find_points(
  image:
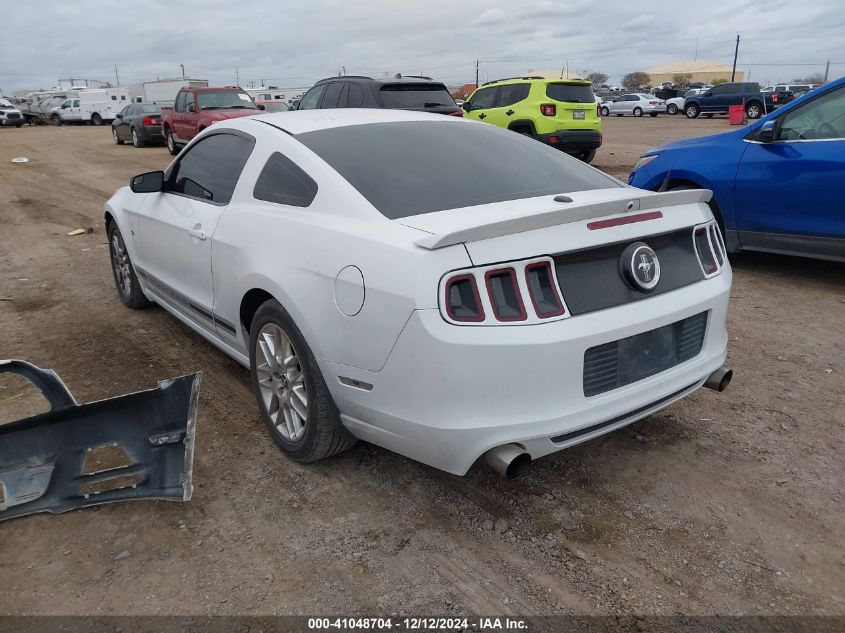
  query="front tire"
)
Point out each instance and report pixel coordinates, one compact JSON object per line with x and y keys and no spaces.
{"x":692,"y":111}
{"x":605,"y":111}
{"x":56,"y":119}
{"x":293,"y":398}
{"x":125,"y":278}
{"x":137,"y":141}
{"x":117,"y":139}
{"x":171,"y":143}
{"x":638,"y":111}
{"x":672,"y":109}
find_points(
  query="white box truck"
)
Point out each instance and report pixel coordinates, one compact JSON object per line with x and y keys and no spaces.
{"x":95,"y":105}
{"x":163,"y":92}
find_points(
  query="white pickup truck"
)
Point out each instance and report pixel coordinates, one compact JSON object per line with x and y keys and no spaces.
{"x":96,"y":106}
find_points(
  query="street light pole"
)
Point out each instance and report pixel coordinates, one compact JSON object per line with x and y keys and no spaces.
{"x":183,"y":70}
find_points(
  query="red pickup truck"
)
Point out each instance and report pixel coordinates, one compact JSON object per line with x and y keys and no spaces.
{"x":197,"y":108}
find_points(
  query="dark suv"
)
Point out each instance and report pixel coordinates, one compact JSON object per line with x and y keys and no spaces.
{"x":421,"y":94}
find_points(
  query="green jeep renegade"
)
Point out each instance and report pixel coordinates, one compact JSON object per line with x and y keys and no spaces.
{"x":560,"y":112}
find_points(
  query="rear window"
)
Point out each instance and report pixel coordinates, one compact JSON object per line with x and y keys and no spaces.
{"x":416,"y":167}
{"x":569,"y":93}
{"x":148,"y":108}
{"x":415,"y":96}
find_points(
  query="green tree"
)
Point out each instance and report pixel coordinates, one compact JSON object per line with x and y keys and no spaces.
{"x":599,"y":78}
{"x":682,"y":80}
{"x":815,"y":78}
{"x":718,"y":80}
{"x":635,"y":81}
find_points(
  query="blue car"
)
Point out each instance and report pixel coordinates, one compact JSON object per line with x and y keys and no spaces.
{"x":778,"y":185}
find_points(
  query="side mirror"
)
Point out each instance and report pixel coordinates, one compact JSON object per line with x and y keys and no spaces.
{"x":118,"y":116}
{"x":467,"y":106}
{"x":766,"y":133}
{"x":294,"y":104}
{"x":150,"y":182}
{"x":64,"y":106}
{"x":261,"y":106}
{"x":707,"y":94}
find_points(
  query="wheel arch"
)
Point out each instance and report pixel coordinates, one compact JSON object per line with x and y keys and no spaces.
{"x":250,"y":302}
{"x":690,"y":183}
{"x":522,"y":123}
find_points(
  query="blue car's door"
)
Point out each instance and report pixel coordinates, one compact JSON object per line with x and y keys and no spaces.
{"x":790,"y":193}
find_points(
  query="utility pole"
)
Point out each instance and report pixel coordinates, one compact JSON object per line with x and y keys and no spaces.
{"x":116,"y":78}
{"x":696,"y":49}
{"x":476,"y":73}
{"x":826,"y":70}
{"x":237,"y":77}
{"x":736,"y":53}
{"x":183,"y":70}
{"x":344,"y":70}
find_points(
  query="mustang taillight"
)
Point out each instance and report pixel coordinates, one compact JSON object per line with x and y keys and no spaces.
{"x":709,"y":248}
{"x":523,"y":292}
{"x":462,"y":300}
{"x":548,"y":109}
{"x":541,"y":288}
{"x":504,"y":294}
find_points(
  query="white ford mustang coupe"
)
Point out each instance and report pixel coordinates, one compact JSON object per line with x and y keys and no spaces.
{"x":439,"y":287}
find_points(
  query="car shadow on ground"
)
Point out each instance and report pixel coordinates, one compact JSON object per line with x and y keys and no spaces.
{"x":790,"y":267}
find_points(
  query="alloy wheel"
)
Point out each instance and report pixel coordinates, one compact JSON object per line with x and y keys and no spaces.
{"x":121,"y":264}
{"x":281,"y":380}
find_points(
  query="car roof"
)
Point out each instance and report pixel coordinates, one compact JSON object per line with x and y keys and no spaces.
{"x":408,"y":79}
{"x":537,"y":79}
{"x":302,"y":121}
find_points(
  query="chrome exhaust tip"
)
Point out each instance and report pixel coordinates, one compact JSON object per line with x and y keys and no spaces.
{"x":719,"y":379}
{"x":509,"y":460}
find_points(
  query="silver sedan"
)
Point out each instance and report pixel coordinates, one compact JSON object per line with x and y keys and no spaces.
{"x":636,"y":104}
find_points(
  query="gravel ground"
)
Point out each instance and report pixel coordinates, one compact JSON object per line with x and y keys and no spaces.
{"x":721,"y":504}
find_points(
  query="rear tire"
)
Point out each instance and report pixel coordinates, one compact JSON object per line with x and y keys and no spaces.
{"x":586,"y":156}
{"x":137,"y":141}
{"x":96,"y":119}
{"x":672,"y":109}
{"x":638,"y":111}
{"x":171,"y":143}
{"x":605,"y":111}
{"x":692,"y":111}
{"x":117,"y":139}
{"x":288,"y":389}
{"x":754,"y":111}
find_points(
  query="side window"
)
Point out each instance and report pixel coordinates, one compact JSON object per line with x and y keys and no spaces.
{"x":283,"y":182}
{"x":821,"y":118}
{"x":76,"y":103}
{"x":312,"y":98}
{"x":123,"y":97}
{"x":332,"y":96}
{"x":211,"y":168}
{"x":180,"y":102}
{"x":484,"y":98}
{"x":718,"y":90}
{"x":508,"y":95}
{"x":127,"y":110}
{"x":733,"y":89}
{"x":355,"y":99}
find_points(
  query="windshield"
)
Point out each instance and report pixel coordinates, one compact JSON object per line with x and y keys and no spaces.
{"x":415,"y":96}
{"x":570,"y":93}
{"x":6,"y":104}
{"x":416,"y":167}
{"x":225,"y":100}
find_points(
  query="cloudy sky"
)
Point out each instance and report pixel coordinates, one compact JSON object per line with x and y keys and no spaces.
{"x":292,"y":44}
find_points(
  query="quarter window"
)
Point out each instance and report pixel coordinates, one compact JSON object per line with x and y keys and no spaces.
{"x":356,"y":96}
{"x":332,"y":96}
{"x":209,"y":171}
{"x":283,"y":182}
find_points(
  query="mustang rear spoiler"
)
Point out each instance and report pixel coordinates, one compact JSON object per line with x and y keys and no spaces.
{"x":566,"y":213}
{"x":136,"y":446}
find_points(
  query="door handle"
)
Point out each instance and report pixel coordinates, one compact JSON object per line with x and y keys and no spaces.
{"x":198,"y":233}
{"x":509,"y":112}
{"x":482,"y":115}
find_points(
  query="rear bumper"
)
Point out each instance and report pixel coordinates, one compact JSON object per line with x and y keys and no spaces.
{"x":447,"y":394}
{"x":150,"y":133}
{"x":572,"y":141}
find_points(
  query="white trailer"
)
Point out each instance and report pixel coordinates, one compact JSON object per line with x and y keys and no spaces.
{"x":272,"y":93}
{"x":163,"y":92}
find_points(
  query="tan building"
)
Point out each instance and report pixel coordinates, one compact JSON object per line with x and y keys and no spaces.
{"x":701,"y":70}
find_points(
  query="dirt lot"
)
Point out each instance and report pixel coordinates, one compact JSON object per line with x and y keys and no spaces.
{"x":724,"y":503}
